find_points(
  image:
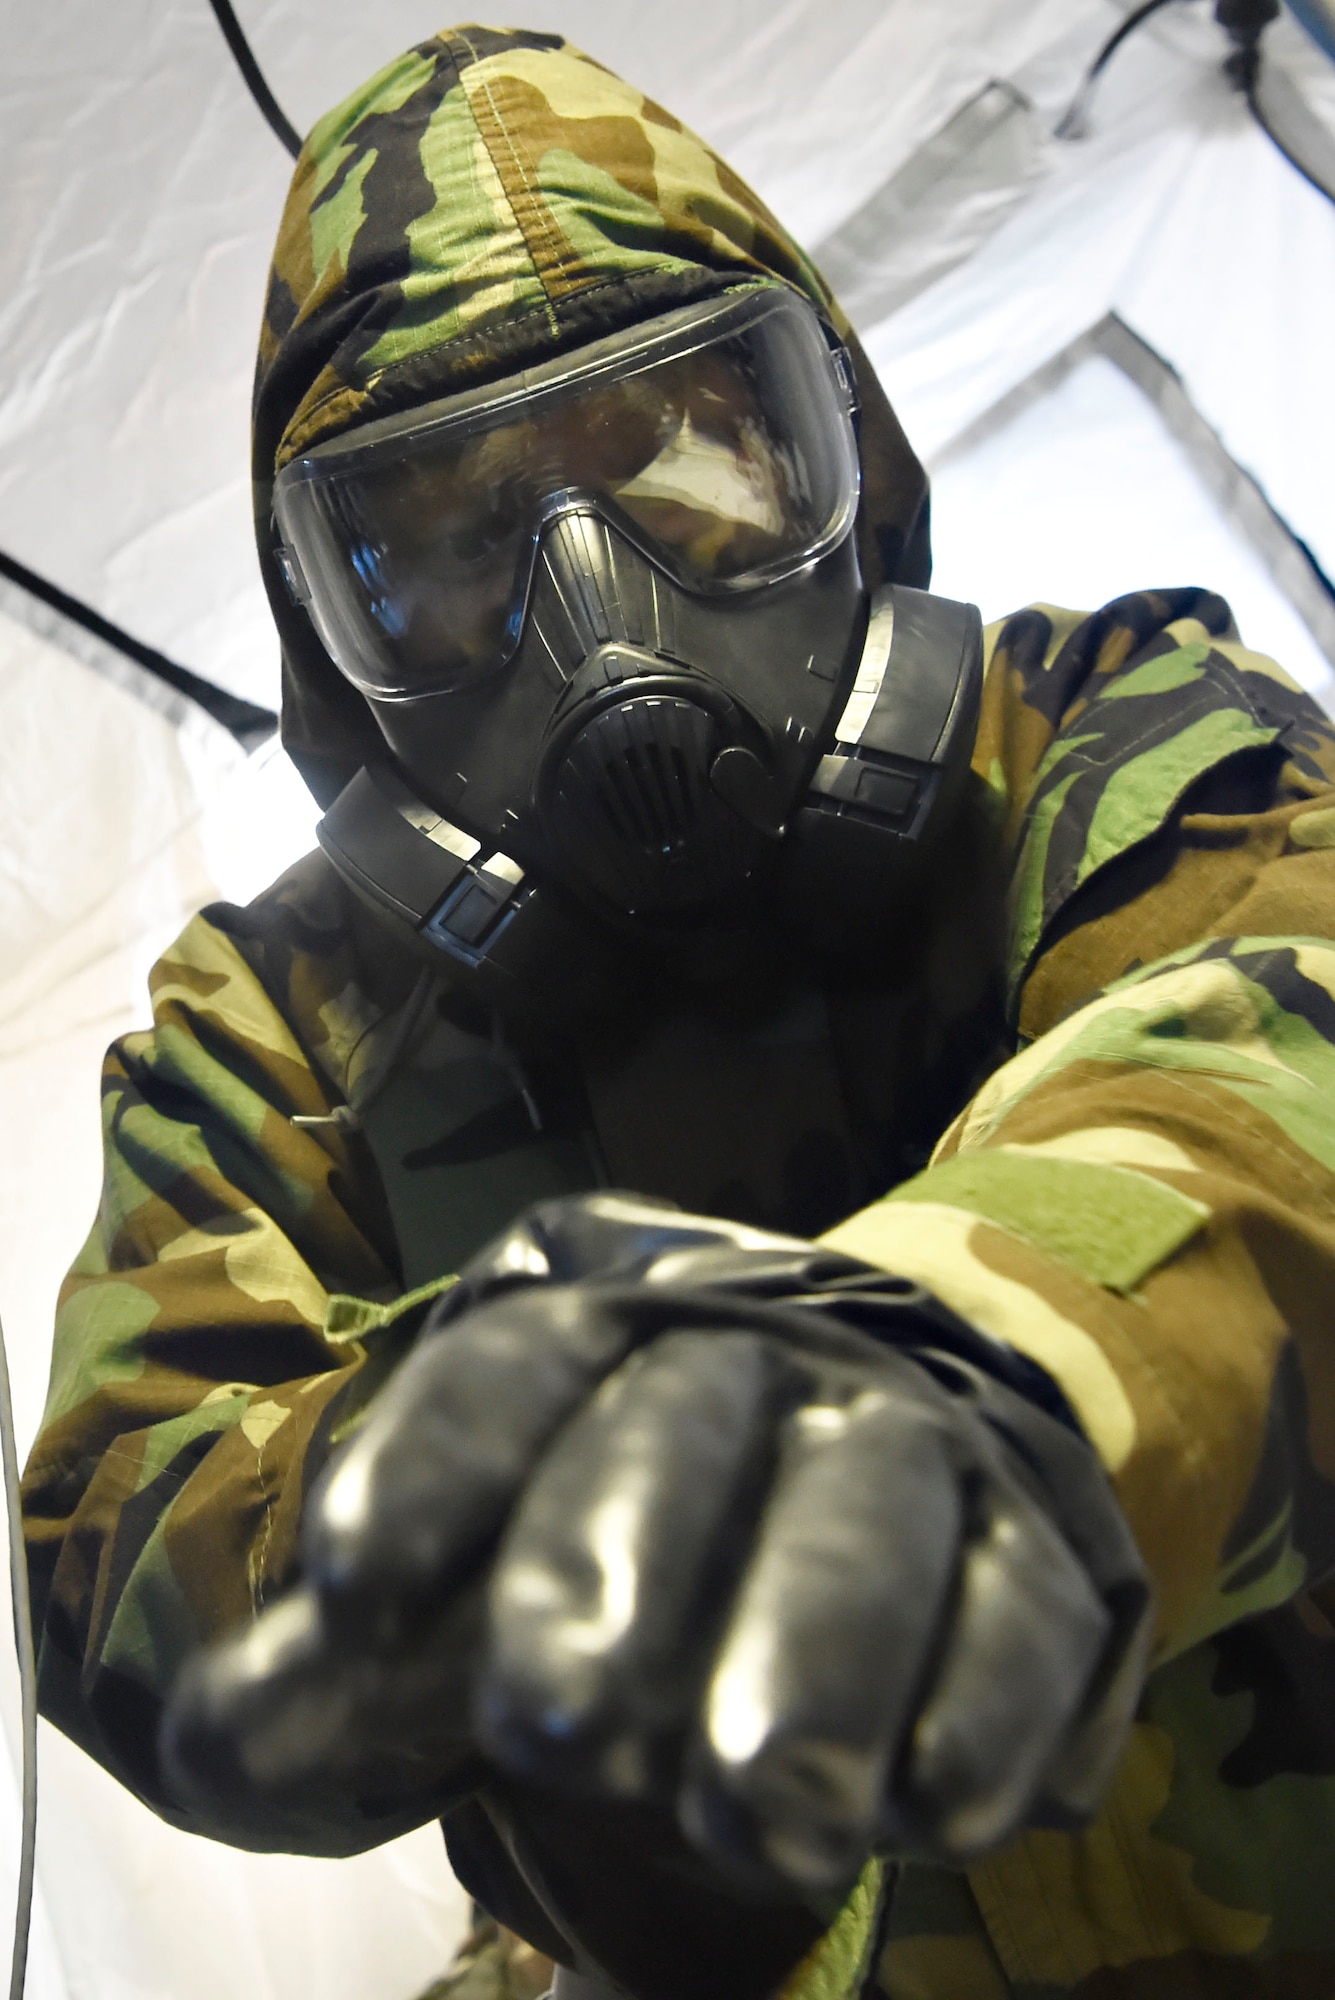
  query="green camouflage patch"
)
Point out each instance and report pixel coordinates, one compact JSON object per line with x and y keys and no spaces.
{"x":1113,"y":1224}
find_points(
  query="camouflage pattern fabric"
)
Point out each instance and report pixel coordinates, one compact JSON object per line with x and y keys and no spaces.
{"x":493,"y":1964}
{"x":489,"y":200}
{"x":1142,"y":1198}
{"x":540,"y":179}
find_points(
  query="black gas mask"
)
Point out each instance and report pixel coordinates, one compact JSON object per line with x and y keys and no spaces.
{"x":610,"y":619}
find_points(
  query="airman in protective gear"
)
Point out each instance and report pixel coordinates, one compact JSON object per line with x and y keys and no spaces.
{"x":729,"y":1289}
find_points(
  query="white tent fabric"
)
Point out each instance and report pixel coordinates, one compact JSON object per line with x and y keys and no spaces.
{"x":1178,"y":214}
{"x":142,"y":194}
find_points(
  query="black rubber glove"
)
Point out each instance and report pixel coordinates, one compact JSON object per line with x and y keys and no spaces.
{"x":664,"y":1508}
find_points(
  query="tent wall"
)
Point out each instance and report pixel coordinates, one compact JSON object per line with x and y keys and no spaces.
{"x":142,"y":194}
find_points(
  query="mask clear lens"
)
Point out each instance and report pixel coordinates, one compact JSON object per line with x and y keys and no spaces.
{"x":719,"y":439}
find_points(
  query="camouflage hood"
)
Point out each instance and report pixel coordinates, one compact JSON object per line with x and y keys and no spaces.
{"x":488,"y":200}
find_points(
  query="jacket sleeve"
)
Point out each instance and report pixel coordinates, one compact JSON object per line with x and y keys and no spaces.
{"x":204,"y":1348}
{"x":1143,"y":1198}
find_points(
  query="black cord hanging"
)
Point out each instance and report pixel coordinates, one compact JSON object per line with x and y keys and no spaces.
{"x":250,"y":724}
{"x":1244,"y":21}
{"x":1072,"y":123}
{"x":236,"y":41}
{"x":1277,"y":139}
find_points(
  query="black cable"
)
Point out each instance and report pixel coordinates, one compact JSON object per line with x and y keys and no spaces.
{"x":1115,"y":40}
{"x":1246,"y":22}
{"x":236,"y":41}
{"x":1254,"y":106}
{"x":250,"y":724}
{"x":23,"y":1646}
{"x":1072,"y":120}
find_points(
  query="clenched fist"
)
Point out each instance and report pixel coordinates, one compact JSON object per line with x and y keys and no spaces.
{"x":664,"y":1509}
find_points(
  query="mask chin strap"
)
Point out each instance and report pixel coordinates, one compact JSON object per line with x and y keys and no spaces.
{"x":464,"y":903}
{"x":416,"y":867}
{"x":872,"y":815}
{"x":891,"y":783}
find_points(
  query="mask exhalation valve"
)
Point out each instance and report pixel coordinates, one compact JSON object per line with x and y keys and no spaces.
{"x":633,"y":816}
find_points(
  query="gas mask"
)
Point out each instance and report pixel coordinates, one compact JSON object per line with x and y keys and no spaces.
{"x":610,"y":620}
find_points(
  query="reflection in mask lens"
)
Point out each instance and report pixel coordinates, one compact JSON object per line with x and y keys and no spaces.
{"x":727,"y":462}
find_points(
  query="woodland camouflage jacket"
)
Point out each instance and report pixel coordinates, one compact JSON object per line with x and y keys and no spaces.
{"x":1142,"y":1197}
